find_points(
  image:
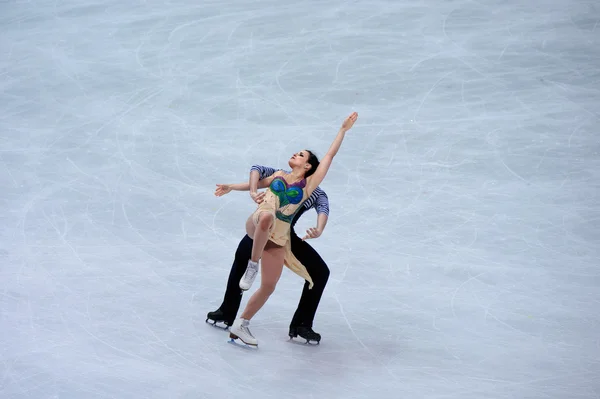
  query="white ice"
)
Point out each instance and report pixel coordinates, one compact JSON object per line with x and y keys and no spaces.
{"x":464,"y":235}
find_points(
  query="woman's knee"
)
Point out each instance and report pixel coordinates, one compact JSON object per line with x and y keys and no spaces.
{"x":268,"y":287}
{"x":265,"y":220}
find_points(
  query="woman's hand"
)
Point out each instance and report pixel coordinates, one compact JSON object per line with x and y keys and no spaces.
{"x":349,"y":121}
{"x":258,"y":197}
{"x":222,"y":189}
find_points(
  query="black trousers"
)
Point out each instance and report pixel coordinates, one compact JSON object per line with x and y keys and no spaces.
{"x":309,"y":301}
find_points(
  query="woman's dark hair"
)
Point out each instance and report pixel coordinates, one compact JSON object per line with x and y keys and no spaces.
{"x":314,"y":163}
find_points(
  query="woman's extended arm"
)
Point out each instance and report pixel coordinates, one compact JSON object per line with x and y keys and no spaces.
{"x":319,"y":175}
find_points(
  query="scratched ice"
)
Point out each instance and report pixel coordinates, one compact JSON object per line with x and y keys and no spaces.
{"x":463,"y":240}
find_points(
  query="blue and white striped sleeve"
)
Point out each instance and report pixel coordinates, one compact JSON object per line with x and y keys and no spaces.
{"x":263,"y":171}
{"x":322,"y":203}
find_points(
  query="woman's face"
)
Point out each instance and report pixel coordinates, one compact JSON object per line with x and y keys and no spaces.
{"x":300,"y":160}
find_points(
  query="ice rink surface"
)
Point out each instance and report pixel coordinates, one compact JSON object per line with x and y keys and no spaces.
{"x":464,"y":234}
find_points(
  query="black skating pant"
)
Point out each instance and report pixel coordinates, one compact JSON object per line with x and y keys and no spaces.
{"x":309,"y":301}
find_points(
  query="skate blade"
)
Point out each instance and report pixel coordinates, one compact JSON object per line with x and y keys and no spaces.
{"x":233,"y":340}
{"x":214,"y":324}
{"x":306,"y":342}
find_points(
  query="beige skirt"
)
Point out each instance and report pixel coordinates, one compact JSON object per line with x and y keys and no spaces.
{"x":279,"y":234}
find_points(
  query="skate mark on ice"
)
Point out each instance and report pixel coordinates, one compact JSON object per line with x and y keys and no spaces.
{"x":509,"y":384}
{"x":422,"y":60}
{"x":167,"y":346}
{"x":510,"y":170}
{"x":427,"y":95}
{"x":459,"y":288}
{"x":377,"y":359}
{"x":63,"y":238}
{"x":143,"y":39}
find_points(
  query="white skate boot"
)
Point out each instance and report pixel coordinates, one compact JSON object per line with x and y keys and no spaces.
{"x":240,"y":330}
{"x":248,"y":277}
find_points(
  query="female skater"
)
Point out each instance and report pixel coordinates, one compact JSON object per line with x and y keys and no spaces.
{"x":269,"y":226}
{"x":302,"y":322}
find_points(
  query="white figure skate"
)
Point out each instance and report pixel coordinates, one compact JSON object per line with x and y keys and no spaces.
{"x":248,"y":277}
{"x":240,"y":330}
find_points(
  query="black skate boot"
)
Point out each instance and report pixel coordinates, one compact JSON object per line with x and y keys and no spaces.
{"x":305,"y":332}
{"x":219,"y":317}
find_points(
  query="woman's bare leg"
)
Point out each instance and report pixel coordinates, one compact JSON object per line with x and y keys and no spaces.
{"x":271,"y":268}
{"x":259,"y":233}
